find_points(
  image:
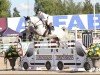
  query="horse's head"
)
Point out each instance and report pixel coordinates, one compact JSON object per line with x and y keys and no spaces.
{"x":28,"y":22}
{"x":35,"y":25}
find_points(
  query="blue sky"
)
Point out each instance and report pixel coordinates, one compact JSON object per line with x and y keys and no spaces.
{"x":25,"y":7}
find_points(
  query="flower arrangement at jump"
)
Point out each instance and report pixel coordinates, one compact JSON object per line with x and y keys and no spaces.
{"x":12,"y":54}
{"x":94,"y":50}
{"x":94,"y":54}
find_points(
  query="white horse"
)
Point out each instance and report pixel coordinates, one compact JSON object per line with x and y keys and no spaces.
{"x":35,"y":25}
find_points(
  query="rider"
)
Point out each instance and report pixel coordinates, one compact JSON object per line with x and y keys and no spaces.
{"x":44,"y":18}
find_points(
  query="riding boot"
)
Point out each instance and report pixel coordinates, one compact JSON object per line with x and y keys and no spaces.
{"x":49,"y":29}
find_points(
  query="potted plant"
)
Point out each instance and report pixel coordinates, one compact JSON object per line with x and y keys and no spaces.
{"x":11,"y":54}
{"x":94,"y":53}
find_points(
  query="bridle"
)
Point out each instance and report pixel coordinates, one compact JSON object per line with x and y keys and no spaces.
{"x":34,"y":24}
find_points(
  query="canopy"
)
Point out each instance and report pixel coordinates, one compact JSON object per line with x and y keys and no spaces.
{"x":9,"y":31}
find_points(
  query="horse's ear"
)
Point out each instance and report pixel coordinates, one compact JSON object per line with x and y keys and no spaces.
{"x":27,"y":18}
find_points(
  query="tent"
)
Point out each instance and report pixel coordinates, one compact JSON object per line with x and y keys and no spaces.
{"x":3,"y":24}
{"x":9,"y":31}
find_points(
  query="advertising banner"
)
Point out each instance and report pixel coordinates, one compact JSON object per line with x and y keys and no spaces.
{"x":82,"y":22}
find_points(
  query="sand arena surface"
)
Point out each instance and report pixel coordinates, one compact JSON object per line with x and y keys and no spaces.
{"x":4,"y":66}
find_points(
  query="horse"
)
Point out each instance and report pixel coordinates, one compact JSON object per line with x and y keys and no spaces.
{"x":34,"y":24}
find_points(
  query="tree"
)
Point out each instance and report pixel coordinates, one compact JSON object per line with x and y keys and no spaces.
{"x":9,"y":13}
{"x":4,"y":8}
{"x":72,"y":7}
{"x":87,"y":7}
{"x":16,"y":13}
{"x":59,"y":7}
{"x":52,"y":7}
{"x":97,"y":8}
{"x":65,"y":7}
